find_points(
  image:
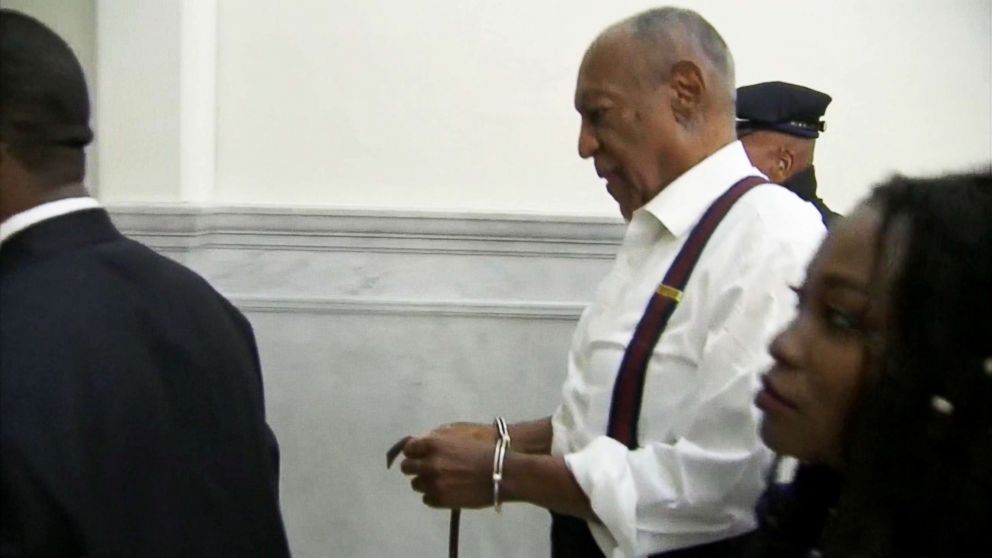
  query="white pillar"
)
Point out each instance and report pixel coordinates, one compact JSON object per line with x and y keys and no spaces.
{"x":198,"y":99}
{"x":155,"y":99}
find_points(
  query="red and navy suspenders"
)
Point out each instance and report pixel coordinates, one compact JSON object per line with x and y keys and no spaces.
{"x":625,"y":408}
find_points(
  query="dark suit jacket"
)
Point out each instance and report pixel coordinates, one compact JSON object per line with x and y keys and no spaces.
{"x":131,"y":397}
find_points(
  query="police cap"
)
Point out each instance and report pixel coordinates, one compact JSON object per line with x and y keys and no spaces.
{"x":781,"y":107}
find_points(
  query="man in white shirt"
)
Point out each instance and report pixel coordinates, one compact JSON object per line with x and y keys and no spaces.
{"x":656,"y":97}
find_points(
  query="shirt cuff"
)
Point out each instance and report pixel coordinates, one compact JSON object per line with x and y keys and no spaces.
{"x":602,"y":472}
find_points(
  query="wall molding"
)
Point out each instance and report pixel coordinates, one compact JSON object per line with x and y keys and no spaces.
{"x":506,"y":309}
{"x":178,"y":228}
{"x":397,"y":263}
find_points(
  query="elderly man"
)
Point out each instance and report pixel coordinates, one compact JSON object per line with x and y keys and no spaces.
{"x":778,"y":123}
{"x":653,"y":449}
{"x":131,"y":407}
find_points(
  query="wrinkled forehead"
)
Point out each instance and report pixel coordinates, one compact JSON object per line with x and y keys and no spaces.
{"x":612,"y":64}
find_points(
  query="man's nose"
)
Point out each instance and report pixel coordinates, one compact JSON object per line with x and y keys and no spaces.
{"x":588,"y":144}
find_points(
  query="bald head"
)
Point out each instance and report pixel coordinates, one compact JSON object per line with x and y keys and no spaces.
{"x":44,"y":116}
{"x":671,"y":35}
{"x":780,"y":156}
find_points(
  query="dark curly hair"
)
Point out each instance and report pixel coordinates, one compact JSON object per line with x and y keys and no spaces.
{"x":918,"y":447}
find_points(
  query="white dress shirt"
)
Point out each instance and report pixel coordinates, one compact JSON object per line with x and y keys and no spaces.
{"x":50,"y":210}
{"x":700,"y":465}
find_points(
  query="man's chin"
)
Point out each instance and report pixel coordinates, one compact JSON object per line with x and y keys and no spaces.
{"x":625,"y":206}
{"x":625,"y":212}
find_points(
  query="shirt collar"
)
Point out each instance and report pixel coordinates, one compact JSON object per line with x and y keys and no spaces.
{"x":50,"y":210}
{"x":681,"y":204}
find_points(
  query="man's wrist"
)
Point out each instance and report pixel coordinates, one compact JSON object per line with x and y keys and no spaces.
{"x":515,"y":475}
{"x":533,"y":437}
{"x":545,"y":481}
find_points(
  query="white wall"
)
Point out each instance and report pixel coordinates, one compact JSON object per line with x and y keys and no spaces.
{"x":138,"y":100}
{"x":438,"y":104}
{"x":467,"y":105}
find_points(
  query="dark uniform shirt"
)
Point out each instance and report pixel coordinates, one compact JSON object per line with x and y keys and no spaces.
{"x":804,"y":186}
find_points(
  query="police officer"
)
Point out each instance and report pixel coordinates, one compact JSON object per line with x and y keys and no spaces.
{"x":778,"y":123}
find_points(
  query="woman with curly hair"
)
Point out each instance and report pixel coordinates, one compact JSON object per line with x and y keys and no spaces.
{"x":882,"y":385}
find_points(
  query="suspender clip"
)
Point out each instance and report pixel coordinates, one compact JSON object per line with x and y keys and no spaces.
{"x":670,"y":292}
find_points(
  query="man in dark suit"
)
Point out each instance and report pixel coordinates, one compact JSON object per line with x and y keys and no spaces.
{"x":778,"y":123}
{"x":133,"y":421}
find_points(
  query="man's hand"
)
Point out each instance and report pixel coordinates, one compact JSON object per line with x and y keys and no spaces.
{"x":477,"y":431}
{"x":451,"y":467}
{"x":533,"y":437}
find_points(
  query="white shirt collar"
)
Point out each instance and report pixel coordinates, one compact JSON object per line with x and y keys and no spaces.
{"x":20,"y":221}
{"x":680,"y":204}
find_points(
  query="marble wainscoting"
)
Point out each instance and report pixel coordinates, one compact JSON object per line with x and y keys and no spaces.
{"x":372,"y":325}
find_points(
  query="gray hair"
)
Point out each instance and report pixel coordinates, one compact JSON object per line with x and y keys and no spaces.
{"x":670,"y":31}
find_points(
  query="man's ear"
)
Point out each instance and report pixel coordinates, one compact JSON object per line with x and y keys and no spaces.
{"x":784,"y":161}
{"x":688,"y":87}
